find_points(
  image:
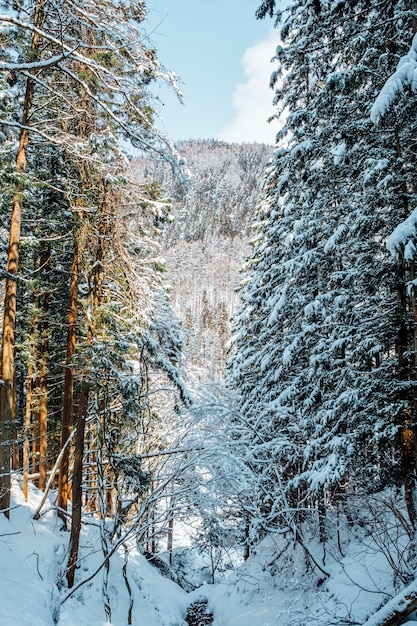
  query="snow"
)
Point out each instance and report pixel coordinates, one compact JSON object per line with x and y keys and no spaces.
{"x":405,"y":75}
{"x":272,"y":588}
{"x":401,"y":239}
{"x":35,"y":553}
{"x":376,"y":166}
{"x":338,"y":152}
{"x":396,"y":604}
{"x":333,"y":240}
{"x":288,"y":351}
{"x":302,"y":148}
{"x":277,"y":304}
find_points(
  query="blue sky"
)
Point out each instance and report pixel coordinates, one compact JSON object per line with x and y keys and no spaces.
{"x":222,"y":54}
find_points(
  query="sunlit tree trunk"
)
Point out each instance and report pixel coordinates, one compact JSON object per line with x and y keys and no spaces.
{"x":43,"y":373}
{"x":9,"y":312}
{"x":27,"y":433}
{"x":43,"y":422}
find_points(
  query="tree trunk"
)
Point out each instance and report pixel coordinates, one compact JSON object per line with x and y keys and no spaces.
{"x":67,"y":404}
{"x":27,"y":431}
{"x":396,"y":610}
{"x":246,"y":549}
{"x":54,"y":470}
{"x":17,"y":421}
{"x":77,"y":484}
{"x":43,"y":371}
{"x":43,"y":429}
{"x":80,"y":435}
{"x":170,"y":536}
{"x":9,"y":312}
{"x":9,"y":318}
{"x":407,"y":368}
{"x":407,"y":434}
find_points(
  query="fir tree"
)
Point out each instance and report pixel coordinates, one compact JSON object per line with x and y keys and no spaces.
{"x":321,"y":346}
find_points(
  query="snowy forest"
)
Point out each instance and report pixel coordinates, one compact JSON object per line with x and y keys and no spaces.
{"x":208,"y":407}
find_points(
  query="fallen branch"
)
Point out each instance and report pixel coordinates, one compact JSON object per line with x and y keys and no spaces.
{"x":37,"y":513}
{"x":396,"y":610}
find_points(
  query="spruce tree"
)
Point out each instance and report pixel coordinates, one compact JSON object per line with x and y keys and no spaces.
{"x":323,"y":350}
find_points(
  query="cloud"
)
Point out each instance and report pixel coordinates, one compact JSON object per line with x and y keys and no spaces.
{"x":252,"y":99}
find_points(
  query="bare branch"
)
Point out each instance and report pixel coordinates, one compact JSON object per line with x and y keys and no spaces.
{"x":36,"y":65}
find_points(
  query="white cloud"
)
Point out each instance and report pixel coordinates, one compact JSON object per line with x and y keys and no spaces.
{"x":252,"y":98}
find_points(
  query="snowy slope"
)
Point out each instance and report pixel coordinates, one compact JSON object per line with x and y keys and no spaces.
{"x":32,"y":557}
{"x":275,"y":587}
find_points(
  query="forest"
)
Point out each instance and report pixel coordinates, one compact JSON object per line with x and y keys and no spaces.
{"x":208,"y":356}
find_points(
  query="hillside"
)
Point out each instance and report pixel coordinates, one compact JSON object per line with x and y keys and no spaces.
{"x":207,"y":241}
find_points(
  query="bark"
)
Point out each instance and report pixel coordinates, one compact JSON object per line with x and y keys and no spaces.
{"x":16,"y":424}
{"x":8,"y":341}
{"x":92,"y":477}
{"x":35,"y":436}
{"x":77,"y":476}
{"x":37,"y":513}
{"x":321,"y":510}
{"x":170,"y":538}
{"x":67,"y":404}
{"x":28,"y":429}
{"x":406,"y":368}
{"x":43,"y":429}
{"x":407,"y":434}
{"x":170,"y":535}
{"x":26,"y":439}
{"x":9,"y":312}
{"x":43,"y":386}
{"x":246,"y":549}
{"x":77,"y":485}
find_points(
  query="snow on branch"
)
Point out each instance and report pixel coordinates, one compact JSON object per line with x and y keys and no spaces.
{"x":405,"y":74}
{"x":37,"y":64}
{"x":400,"y":242}
{"x":68,"y":51}
{"x":396,"y":609}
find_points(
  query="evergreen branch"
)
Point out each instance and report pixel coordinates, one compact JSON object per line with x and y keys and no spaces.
{"x":45,"y":86}
{"x":70,"y":51}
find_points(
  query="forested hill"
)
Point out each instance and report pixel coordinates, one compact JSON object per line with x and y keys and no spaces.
{"x":207,"y":241}
{"x":222,"y":193}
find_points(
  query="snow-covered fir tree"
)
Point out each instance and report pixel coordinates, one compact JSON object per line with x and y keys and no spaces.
{"x":324,"y":339}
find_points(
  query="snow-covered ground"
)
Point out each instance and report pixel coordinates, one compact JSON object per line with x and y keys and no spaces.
{"x":269,"y":589}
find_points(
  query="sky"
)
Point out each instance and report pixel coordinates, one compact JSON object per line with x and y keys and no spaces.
{"x":222,"y":54}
